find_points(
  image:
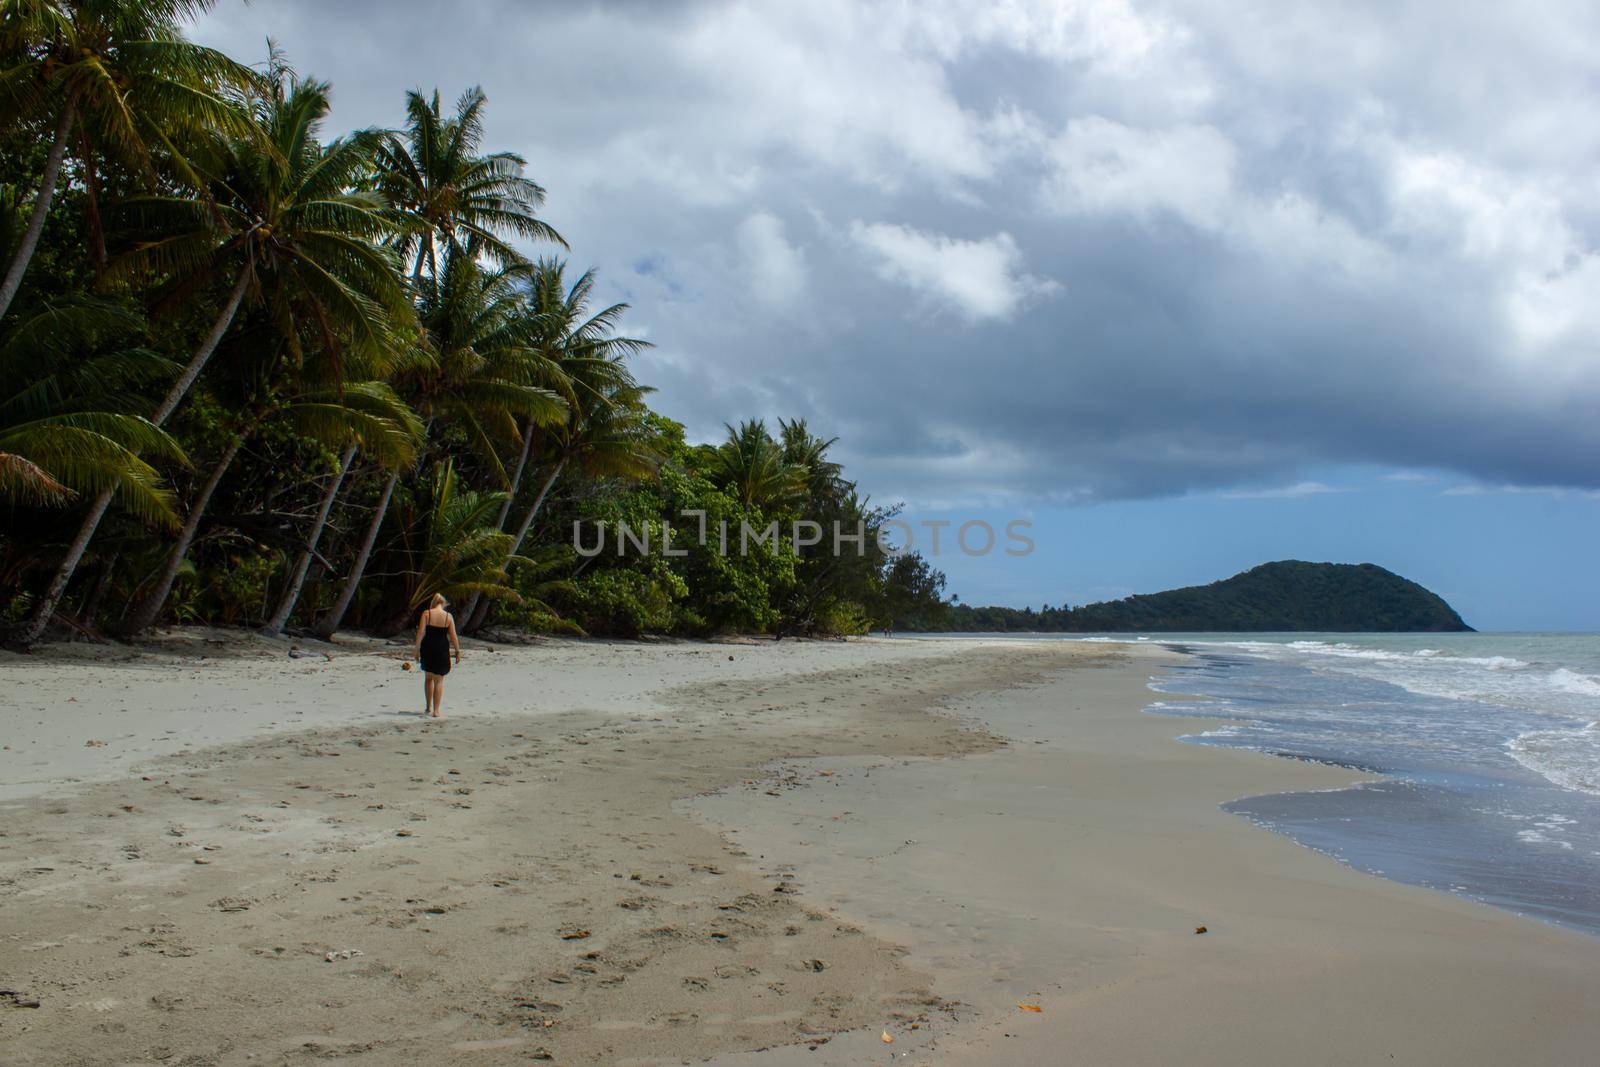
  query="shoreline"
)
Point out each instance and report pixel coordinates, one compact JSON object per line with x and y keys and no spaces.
{"x":1097,"y":935}
{"x":559,"y":876}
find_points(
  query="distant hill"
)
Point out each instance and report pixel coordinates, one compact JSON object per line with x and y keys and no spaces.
{"x":1287,"y":595}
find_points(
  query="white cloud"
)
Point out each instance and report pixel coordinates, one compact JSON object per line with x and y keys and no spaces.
{"x":1286,"y":492}
{"x":1559,"y":492}
{"x":1103,"y":167}
{"x":980,"y":279}
{"x":776,"y":269}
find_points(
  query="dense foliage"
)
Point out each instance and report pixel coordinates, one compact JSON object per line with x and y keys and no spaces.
{"x":1286,"y":596}
{"x":254,"y":374}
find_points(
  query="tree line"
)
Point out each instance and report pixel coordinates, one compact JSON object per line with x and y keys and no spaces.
{"x":252,"y":374}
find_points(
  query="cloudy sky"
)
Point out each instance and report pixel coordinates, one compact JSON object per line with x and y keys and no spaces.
{"x":1188,"y":285}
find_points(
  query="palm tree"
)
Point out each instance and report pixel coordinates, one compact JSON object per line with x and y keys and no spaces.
{"x":278,"y":218}
{"x":579,"y":343}
{"x":607,"y":435}
{"x":365,"y":411}
{"x":118,"y":70}
{"x":754,"y":467}
{"x":368,"y":415}
{"x":824,"y":478}
{"x":455,"y":196}
{"x":459,"y":552}
{"x":482,"y":370}
{"x":67,"y":371}
{"x":582,"y":344}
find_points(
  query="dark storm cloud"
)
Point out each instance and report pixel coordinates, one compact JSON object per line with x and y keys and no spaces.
{"x":1058,"y":251}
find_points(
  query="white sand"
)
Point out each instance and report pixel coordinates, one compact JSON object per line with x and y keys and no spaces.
{"x":81,"y":713}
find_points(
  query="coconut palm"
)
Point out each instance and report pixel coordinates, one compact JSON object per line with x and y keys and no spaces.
{"x":368,"y":412}
{"x":606,"y":435}
{"x":457,"y":198}
{"x":482,"y":370}
{"x":579,"y":342}
{"x":369,"y":416}
{"x":592,"y":361}
{"x":453,"y":547}
{"x":120,"y":72}
{"x":753,"y":466}
{"x":61,"y":433}
{"x":278,"y":218}
{"x":825,"y":482}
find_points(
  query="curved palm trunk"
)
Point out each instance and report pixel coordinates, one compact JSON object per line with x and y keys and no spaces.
{"x":41,"y":209}
{"x":538,"y":502}
{"x":297,"y":578}
{"x":479,"y":616}
{"x":505,"y":505}
{"x":58,"y":584}
{"x":197,"y":362}
{"x":149,"y":609}
{"x":330,"y":622}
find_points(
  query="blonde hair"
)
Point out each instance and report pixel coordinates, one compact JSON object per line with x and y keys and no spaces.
{"x":438,"y":601}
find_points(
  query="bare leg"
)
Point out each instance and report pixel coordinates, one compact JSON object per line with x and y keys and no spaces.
{"x":427,"y":693}
{"x":438,"y":696}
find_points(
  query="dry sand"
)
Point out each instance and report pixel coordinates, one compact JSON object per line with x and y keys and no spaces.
{"x":615,"y":853}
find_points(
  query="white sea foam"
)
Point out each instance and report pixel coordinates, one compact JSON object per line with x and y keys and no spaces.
{"x":1539,"y":837}
{"x":1569,"y":758}
{"x":1572,"y":682}
{"x":1496,"y":679}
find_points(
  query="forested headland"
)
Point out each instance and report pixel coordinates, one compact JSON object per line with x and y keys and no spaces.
{"x":258,"y":373}
{"x":1286,"y":596}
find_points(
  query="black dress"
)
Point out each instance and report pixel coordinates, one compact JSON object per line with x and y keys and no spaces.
{"x":435,"y":651}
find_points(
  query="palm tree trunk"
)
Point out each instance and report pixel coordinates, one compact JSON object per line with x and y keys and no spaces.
{"x":197,"y":362}
{"x":330,"y":622}
{"x":52,"y":596}
{"x":538,"y":502}
{"x":41,"y":209}
{"x":150,"y":607}
{"x":58,"y":584}
{"x":516,"y":476}
{"x":477,"y":618}
{"x":423,"y":244}
{"x":505,"y":505}
{"x":297,"y":578}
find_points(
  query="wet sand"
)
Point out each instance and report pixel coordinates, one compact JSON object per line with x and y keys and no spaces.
{"x":1071,"y":869}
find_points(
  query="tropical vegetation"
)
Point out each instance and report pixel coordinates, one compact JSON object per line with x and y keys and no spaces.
{"x":256,"y":373}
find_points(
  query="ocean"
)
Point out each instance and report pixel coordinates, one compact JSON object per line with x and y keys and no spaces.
{"x":1488,"y":743}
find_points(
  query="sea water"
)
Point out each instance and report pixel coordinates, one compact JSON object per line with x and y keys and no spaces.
{"x":1488,"y":744}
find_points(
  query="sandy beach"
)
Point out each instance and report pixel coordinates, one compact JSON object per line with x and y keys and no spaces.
{"x":216,"y":852}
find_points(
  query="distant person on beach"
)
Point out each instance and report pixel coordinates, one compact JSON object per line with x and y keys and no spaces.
{"x":436,"y":636}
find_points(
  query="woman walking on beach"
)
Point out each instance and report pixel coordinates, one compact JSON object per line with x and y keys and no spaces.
{"x":436,"y":635}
